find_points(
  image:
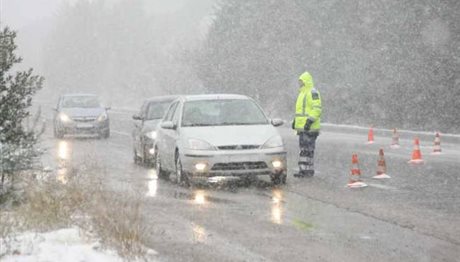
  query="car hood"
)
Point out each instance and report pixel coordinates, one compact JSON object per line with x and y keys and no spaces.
{"x":83,"y":112}
{"x":230,"y":135}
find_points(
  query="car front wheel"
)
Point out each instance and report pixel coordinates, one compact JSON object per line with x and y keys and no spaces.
{"x":160,"y":172}
{"x":58,"y":134}
{"x":105,"y":134}
{"x":148,"y":161}
{"x":181,"y":176}
{"x":136,"y":158}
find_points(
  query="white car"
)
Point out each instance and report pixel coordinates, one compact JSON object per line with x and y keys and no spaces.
{"x":207,"y":136}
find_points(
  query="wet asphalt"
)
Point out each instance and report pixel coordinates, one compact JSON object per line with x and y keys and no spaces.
{"x":414,"y":216}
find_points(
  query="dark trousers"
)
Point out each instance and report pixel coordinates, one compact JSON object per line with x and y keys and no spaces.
{"x":307,"y":143}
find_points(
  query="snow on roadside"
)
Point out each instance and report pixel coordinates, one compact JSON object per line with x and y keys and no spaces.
{"x":65,"y":245}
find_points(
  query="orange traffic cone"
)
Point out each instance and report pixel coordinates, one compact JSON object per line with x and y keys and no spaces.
{"x":416,"y":153}
{"x":381,"y":167}
{"x":354,"y":180}
{"x":437,"y":145}
{"x":370,"y":136}
{"x":395,"y":139}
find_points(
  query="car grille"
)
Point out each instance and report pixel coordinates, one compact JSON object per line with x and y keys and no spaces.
{"x":238,"y":147}
{"x":239,"y":166}
{"x":84,"y":119}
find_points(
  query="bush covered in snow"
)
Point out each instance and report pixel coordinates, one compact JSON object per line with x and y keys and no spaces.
{"x":17,"y":141}
{"x":71,"y":197}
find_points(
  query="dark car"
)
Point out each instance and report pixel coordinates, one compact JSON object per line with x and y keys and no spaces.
{"x":81,"y":114}
{"x":145,"y":126}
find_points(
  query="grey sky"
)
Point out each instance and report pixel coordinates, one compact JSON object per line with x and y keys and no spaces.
{"x":33,"y":20}
{"x":20,"y":13}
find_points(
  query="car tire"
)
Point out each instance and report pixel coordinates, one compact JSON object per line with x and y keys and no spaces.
{"x":160,"y":172}
{"x":145,"y":158}
{"x":181,"y":176}
{"x":136,"y":158}
{"x":106,"y":134}
{"x":58,"y":134}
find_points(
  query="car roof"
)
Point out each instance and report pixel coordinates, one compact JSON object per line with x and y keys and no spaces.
{"x":160,"y":99}
{"x":215,"y":97}
{"x":77,"y":94}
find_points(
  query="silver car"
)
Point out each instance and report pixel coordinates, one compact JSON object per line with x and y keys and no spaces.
{"x":81,"y":114}
{"x":209,"y":137}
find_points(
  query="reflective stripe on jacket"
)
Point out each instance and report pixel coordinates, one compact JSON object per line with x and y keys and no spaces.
{"x":308,"y":105}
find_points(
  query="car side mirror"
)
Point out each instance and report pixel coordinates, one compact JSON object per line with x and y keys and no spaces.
{"x":137,"y":117}
{"x":168,"y":125}
{"x":277,"y":122}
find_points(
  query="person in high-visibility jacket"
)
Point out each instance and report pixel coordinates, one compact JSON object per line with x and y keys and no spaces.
{"x":307,"y":123}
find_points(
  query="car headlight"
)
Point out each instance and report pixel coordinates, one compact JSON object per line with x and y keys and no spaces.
{"x":197,"y":144}
{"x":200,"y":167}
{"x":152,"y":135}
{"x":64,"y":118}
{"x":102,"y":117}
{"x":275,"y":141}
{"x":277,"y":163}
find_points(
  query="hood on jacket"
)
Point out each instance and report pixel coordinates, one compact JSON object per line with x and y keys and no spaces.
{"x":307,"y":80}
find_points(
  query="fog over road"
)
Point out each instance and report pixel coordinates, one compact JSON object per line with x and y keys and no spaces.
{"x":414,"y":216}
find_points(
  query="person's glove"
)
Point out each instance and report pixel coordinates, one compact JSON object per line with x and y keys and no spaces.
{"x":308,"y":125}
{"x":293,"y":124}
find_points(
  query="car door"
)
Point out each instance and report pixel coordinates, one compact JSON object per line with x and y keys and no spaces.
{"x":168,"y":139}
{"x":175,"y":133}
{"x":137,"y":131}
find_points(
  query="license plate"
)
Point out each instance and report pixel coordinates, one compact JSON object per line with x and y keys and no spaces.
{"x":84,"y":126}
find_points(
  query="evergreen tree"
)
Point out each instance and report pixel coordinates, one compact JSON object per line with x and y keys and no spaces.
{"x":16,"y":91}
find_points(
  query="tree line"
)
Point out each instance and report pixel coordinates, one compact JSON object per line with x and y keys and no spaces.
{"x":382,"y":63}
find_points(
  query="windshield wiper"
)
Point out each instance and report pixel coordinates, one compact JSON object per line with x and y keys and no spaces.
{"x":237,"y":124}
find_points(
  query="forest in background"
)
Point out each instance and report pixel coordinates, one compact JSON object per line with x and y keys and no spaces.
{"x":382,"y":63}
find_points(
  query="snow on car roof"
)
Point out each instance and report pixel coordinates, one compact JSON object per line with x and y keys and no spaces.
{"x":214,"y":97}
{"x":66,"y":95}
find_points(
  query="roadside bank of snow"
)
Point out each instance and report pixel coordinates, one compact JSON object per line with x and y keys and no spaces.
{"x":62,"y":245}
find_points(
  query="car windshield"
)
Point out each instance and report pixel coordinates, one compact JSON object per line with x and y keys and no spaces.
{"x":80,"y":102}
{"x":222,"y":112}
{"x":156,"y":110}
